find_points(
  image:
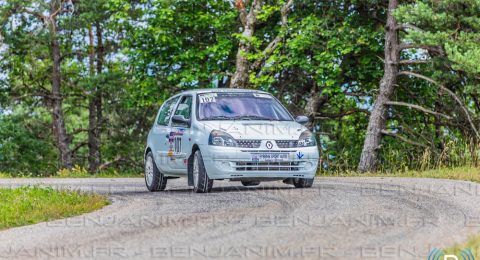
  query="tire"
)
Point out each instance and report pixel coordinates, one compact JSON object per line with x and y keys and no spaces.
{"x":303,"y":182}
{"x":201,"y":182}
{"x":154,"y":179}
{"x":250,"y":183}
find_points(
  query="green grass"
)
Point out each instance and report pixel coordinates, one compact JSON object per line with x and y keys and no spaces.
{"x":76,"y":173}
{"x":30,"y":205}
{"x":109,"y":174}
{"x":473,"y":243}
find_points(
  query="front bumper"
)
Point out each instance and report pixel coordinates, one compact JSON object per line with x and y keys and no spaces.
{"x":237,"y":163}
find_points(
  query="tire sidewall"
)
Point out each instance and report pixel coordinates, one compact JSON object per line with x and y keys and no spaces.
{"x":158,"y":178}
{"x":203,"y":182}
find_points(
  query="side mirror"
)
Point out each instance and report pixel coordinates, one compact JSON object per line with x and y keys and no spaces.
{"x":302,"y":120}
{"x":180,"y":120}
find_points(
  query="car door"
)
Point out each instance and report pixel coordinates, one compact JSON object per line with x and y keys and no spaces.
{"x":161,"y":134}
{"x":180,"y":135}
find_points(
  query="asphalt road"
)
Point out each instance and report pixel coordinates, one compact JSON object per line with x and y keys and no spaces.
{"x":339,"y":218}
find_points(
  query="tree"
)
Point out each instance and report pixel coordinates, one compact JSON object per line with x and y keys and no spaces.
{"x":120,"y":59}
{"x":46,"y":16}
{"x":94,"y":15}
{"x":249,"y":19}
{"x":430,"y":29}
{"x":377,"y":119}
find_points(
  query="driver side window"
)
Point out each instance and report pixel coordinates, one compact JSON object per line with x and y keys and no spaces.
{"x":185,"y":107}
{"x":166,"y":111}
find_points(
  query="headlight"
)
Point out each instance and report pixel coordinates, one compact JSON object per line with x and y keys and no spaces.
{"x":220,"y":138}
{"x":306,"y":139}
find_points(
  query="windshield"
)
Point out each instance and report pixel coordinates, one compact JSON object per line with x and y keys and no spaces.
{"x":240,"y":106}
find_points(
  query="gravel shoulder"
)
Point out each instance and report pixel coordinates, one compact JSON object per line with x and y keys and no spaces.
{"x":338,"y":218}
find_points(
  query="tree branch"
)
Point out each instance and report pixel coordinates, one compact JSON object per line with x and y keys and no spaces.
{"x":78,"y":146}
{"x":404,"y":27}
{"x":435,"y":49}
{"x":38,"y":15}
{"x":241,"y":7}
{"x":413,"y":62}
{"x":324,"y":116}
{"x":453,"y":95}
{"x":79,"y":130}
{"x":272,"y":46}
{"x":54,"y":14}
{"x":355,"y":94}
{"x":417,"y":107}
{"x":118,"y":159}
{"x":404,"y":139}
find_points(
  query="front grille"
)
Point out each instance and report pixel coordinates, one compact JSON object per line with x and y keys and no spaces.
{"x":267,"y":166}
{"x":287,"y":143}
{"x":248,"y":143}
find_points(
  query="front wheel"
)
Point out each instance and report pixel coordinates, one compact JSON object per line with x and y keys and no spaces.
{"x":303,"y":182}
{"x":154,"y":179}
{"x":201,"y":182}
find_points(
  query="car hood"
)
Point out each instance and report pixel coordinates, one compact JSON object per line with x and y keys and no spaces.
{"x":252,"y":129}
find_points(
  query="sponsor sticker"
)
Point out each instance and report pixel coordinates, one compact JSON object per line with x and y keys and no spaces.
{"x":261,"y":95}
{"x":300,"y":155}
{"x":207,"y":98}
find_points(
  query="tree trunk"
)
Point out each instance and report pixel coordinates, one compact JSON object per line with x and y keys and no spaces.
{"x":100,"y":59}
{"x":93,"y":161}
{"x":376,"y":123}
{"x":95,"y":102}
{"x":240,"y":77}
{"x":61,"y":136}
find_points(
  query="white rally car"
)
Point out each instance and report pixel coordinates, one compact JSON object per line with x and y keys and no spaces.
{"x":240,"y":135}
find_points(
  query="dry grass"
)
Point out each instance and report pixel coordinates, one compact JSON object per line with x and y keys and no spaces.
{"x":459,"y":173}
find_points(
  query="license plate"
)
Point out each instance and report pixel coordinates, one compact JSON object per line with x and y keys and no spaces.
{"x":269,"y":157}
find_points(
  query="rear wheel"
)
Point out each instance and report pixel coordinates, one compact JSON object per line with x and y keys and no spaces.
{"x":201,"y":182}
{"x":250,"y":183}
{"x":303,"y":182}
{"x":154,"y":179}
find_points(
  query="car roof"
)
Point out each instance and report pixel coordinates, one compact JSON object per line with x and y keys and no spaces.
{"x":210,"y":90}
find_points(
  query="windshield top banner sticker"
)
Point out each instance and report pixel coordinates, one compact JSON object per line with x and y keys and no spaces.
{"x":261,"y":95}
{"x":207,"y":98}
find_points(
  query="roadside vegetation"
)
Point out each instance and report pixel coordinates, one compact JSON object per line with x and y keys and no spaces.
{"x":30,"y":205}
{"x":466,"y":173}
{"x":77,"y":172}
{"x":80,"y":172}
{"x":391,"y":87}
{"x":473,"y":243}
{"x":388,"y":85}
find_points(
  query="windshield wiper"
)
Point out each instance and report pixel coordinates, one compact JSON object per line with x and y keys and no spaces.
{"x":252,"y":117}
{"x":218,"y":118}
{"x":249,"y":117}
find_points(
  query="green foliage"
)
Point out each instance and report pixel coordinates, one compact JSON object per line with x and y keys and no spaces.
{"x":75,"y":172}
{"x":452,"y":24}
{"x":25,"y":149}
{"x":183,"y":44}
{"x":80,"y":172}
{"x":30,"y":205}
{"x":156,"y":48}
